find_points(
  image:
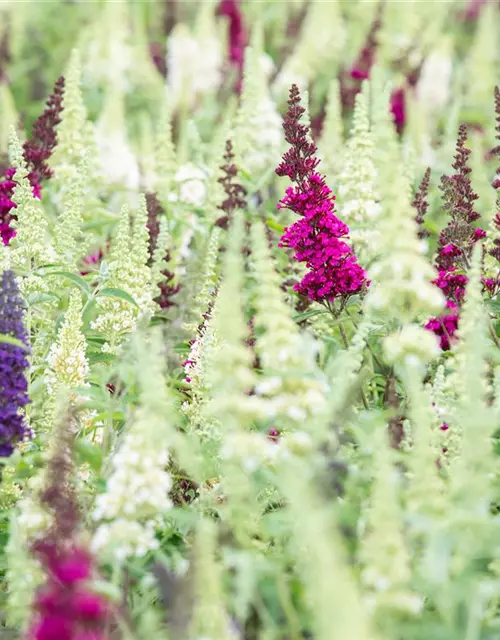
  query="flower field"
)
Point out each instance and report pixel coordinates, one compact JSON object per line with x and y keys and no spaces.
{"x":250,"y":320}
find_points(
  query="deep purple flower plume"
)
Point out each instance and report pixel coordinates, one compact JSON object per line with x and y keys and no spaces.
{"x":7,"y":205}
{"x":13,"y":365}
{"x":36,"y":153}
{"x":421,"y":204}
{"x":235,"y":192}
{"x":334,"y":272}
{"x":168,"y":290}
{"x":397,"y":105}
{"x":456,"y":240}
{"x":65,"y":607}
{"x":43,"y":140}
{"x":155,"y":211}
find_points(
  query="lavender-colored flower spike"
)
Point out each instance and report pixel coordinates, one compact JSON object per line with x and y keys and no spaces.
{"x":13,"y":365}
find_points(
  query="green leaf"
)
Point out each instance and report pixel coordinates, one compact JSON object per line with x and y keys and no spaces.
{"x":101,"y":357}
{"x":117,"y":293}
{"x":274,"y":225}
{"x":87,"y":311}
{"x":13,"y":341}
{"x":90,"y":453}
{"x":308,"y":314}
{"x":78,"y":280}
{"x":40,"y":298}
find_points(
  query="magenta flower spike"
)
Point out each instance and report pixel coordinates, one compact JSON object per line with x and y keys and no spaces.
{"x":317,"y":237}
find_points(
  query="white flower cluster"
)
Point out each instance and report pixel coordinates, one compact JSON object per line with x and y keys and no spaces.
{"x":68,"y":364}
{"x":194,"y":65}
{"x":291,"y":385}
{"x":264,"y":135}
{"x":358,"y":200}
{"x":137,"y":494}
{"x":23,"y":576}
{"x":115,"y":317}
{"x":433,"y":88}
{"x":33,"y":520}
{"x":286,"y":389}
{"x":255,"y":450}
{"x":118,"y":162}
{"x":413,"y":346}
{"x":191,"y":185}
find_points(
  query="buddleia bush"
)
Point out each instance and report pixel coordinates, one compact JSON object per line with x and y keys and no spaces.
{"x":249,"y":320}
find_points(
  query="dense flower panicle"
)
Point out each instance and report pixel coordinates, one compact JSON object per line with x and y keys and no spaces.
{"x":7,"y":205}
{"x":357,"y":182}
{"x":13,"y":366}
{"x":65,"y":607}
{"x":316,"y":241}
{"x":458,"y":202}
{"x":316,"y":236}
{"x":398,"y":108}
{"x":299,"y":161}
{"x":44,"y":138}
{"x":36,"y":152}
{"x":421,"y":204}
{"x":67,"y":361}
{"x":194,"y":64}
{"x":138,"y":485}
{"x":168,"y":289}
{"x":456,"y":241}
{"x":433,"y":87}
{"x":237,"y":31}
{"x":235,"y":192}
{"x":155,"y":211}
{"x":190,"y":185}
{"x":445,"y":327}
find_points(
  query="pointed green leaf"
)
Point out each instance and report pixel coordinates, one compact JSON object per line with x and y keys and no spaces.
{"x":90,"y":453}
{"x":78,"y":280}
{"x":117,"y":293}
{"x":13,"y":341}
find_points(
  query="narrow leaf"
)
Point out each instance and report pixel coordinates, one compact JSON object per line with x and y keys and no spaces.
{"x":13,"y":341}
{"x":117,"y":293}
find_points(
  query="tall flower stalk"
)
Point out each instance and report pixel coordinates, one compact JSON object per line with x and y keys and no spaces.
{"x":65,"y":607}
{"x":333,"y":271}
{"x":13,"y":365}
{"x":456,"y":240}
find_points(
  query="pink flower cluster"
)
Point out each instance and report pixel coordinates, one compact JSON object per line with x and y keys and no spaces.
{"x":456,"y":242}
{"x":66,"y":608}
{"x":36,"y":153}
{"x":316,"y":239}
{"x":238,"y":38}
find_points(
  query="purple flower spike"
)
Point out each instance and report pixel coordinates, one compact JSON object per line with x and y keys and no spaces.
{"x":13,"y":365}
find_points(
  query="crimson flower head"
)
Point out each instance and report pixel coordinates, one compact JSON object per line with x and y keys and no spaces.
{"x":155,"y":211}
{"x":65,"y":607}
{"x":456,"y":241}
{"x":37,"y":151}
{"x":238,"y":37}
{"x":316,"y":237}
